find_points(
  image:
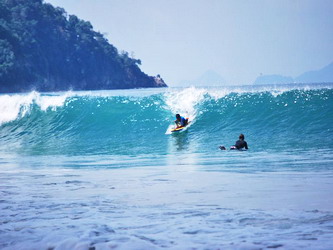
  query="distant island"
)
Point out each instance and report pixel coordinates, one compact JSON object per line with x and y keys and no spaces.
{"x":43,"y":48}
{"x":324,"y":75}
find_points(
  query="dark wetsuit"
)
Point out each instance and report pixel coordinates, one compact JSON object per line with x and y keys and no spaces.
{"x":183,"y":122}
{"x":241,"y":144}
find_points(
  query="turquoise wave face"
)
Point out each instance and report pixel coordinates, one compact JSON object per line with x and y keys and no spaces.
{"x":137,"y":123}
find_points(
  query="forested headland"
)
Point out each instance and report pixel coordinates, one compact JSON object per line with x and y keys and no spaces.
{"x":43,"y":48}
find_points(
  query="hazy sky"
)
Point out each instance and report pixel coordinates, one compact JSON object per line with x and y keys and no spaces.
{"x":239,"y":39}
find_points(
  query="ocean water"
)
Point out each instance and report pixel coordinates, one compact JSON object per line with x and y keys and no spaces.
{"x":101,"y":169}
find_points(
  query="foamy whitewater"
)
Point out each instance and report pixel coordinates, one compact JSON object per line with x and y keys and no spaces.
{"x":101,"y":169}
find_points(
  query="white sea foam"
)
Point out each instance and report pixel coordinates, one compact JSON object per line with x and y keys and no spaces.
{"x":13,"y":106}
{"x":177,"y":207}
{"x":185,"y":101}
{"x":276,"y":90}
{"x":16,"y":106}
{"x":45,"y":102}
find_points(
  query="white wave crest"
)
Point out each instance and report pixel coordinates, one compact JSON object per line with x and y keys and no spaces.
{"x":14,"y":106}
{"x":184,"y":101}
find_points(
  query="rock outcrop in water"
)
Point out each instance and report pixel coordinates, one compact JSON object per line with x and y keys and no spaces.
{"x":42,"y":48}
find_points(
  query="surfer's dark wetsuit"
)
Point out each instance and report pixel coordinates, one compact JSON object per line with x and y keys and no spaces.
{"x":181,"y":121}
{"x":241,"y":144}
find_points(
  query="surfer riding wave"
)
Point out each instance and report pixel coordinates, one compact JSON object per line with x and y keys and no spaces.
{"x":181,"y":121}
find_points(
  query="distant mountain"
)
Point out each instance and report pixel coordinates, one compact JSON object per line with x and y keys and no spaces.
{"x":273,"y":79}
{"x":209,"y":78}
{"x":319,"y":76}
{"x":43,"y":48}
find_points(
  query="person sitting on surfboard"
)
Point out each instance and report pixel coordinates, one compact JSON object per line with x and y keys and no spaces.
{"x":240,"y":144}
{"x":181,"y":121}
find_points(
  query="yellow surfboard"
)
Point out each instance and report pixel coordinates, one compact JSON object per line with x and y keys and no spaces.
{"x":180,"y":128}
